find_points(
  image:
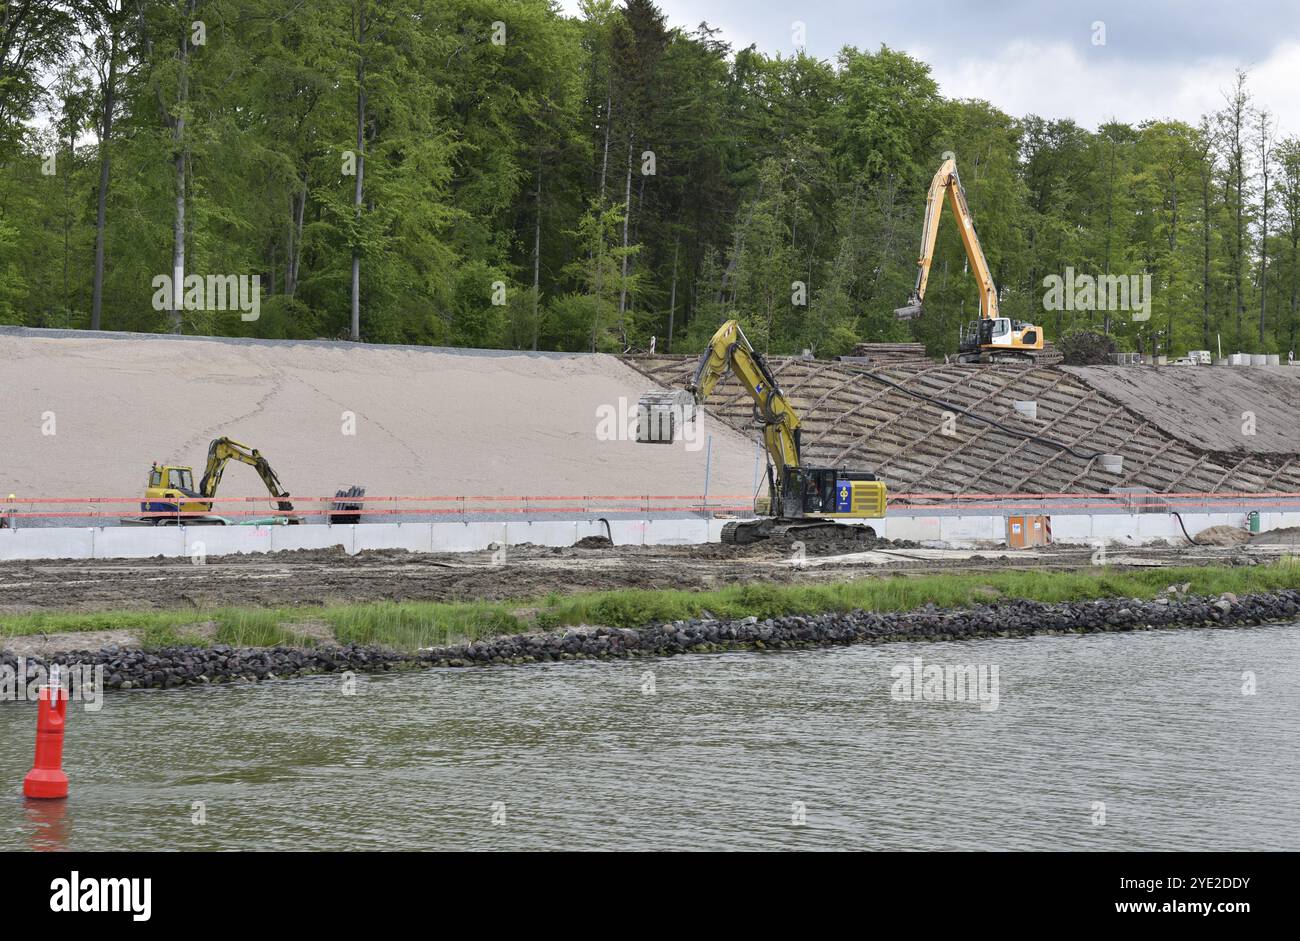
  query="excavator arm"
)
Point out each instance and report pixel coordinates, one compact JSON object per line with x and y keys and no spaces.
{"x":223,"y":450}
{"x":730,"y":351}
{"x":946,"y":181}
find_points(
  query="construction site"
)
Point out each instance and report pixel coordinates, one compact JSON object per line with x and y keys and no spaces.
{"x":463,"y":455}
{"x":396,"y":466}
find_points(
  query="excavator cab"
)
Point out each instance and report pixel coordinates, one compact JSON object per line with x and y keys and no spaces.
{"x":999,"y":339}
{"x":169,"y":486}
{"x":831,"y":491}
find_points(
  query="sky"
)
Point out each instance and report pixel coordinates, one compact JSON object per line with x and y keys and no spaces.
{"x":1160,"y":58}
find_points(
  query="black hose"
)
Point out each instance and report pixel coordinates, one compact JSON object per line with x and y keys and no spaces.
{"x":1178,"y":516}
{"x":1028,"y":436}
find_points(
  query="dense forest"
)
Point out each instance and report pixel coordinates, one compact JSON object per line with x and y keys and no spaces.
{"x":495,"y":173}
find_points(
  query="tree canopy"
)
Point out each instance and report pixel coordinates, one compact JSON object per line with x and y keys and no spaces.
{"x":499,"y":174}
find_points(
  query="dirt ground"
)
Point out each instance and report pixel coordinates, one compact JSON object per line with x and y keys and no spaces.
{"x":315,"y":577}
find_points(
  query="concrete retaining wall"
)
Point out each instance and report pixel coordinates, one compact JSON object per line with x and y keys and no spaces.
{"x":136,"y":542}
{"x":142,"y":542}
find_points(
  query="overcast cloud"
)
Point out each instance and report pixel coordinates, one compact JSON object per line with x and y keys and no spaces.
{"x":1161,"y":58}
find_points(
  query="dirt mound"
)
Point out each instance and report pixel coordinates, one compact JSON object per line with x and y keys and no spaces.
{"x":1222,"y":536}
{"x":332,"y":414}
{"x":1286,"y":536}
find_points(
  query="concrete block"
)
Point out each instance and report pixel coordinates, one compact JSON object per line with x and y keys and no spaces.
{"x":227,"y":540}
{"x":413,"y":537}
{"x":467,"y":537}
{"x":544,"y":533}
{"x":684,"y":532}
{"x":629,"y":532}
{"x":139,"y":542}
{"x":959,"y":530}
{"x":916,"y":528}
{"x":47,"y":543}
{"x":314,"y":536}
{"x":1076,"y":528}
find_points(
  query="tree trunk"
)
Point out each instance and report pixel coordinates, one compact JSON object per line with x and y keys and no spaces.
{"x":622,"y":287}
{"x":1205,"y":262}
{"x":105,"y":136}
{"x":672,"y":295}
{"x":604,"y":160}
{"x":179,"y":161}
{"x":293,"y":257}
{"x":357,"y":196}
{"x":537,"y":253}
{"x":1264,"y":154}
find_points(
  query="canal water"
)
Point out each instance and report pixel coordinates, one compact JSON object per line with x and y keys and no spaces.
{"x":1111,"y":741}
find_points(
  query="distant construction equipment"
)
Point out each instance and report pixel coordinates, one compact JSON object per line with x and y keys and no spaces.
{"x":992,"y":338}
{"x":171,"y":487}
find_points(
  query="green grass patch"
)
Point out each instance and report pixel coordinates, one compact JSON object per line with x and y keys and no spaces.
{"x":411,"y":624}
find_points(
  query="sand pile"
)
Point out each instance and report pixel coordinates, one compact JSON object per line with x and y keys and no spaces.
{"x":425,"y":421}
{"x":1222,"y":536}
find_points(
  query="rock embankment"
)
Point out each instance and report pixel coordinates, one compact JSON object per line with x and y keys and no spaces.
{"x":188,"y":666}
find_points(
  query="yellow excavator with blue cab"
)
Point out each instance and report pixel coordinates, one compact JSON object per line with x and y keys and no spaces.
{"x":171,"y":487}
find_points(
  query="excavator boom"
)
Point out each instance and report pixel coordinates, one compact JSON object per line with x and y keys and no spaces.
{"x":946,"y":181}
{"x":730,"y":351}
{"x":222,"y":450}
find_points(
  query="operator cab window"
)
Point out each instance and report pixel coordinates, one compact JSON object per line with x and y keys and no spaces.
{"x":180,"y":480}
{"x":155,"y":478}
{"x":1001,"y":327}
{"x":812,"y":497}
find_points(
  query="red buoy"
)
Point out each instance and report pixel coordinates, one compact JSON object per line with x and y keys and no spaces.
{"x":46,"y":780}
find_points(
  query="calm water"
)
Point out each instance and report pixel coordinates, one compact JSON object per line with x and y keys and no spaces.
{"x":578,"y":756}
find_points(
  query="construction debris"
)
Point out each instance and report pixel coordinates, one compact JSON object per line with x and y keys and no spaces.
{"x":887,"y":354}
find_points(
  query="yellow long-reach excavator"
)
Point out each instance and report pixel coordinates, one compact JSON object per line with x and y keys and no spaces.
{"x":804,"y":501}
{"x":171,"y":487}
{"x":992,"y":338}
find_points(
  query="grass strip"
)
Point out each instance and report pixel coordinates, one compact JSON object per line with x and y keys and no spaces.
{"x":406,"y":625}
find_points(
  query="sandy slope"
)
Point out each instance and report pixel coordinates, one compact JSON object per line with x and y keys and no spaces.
{"x":427,"y":421}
